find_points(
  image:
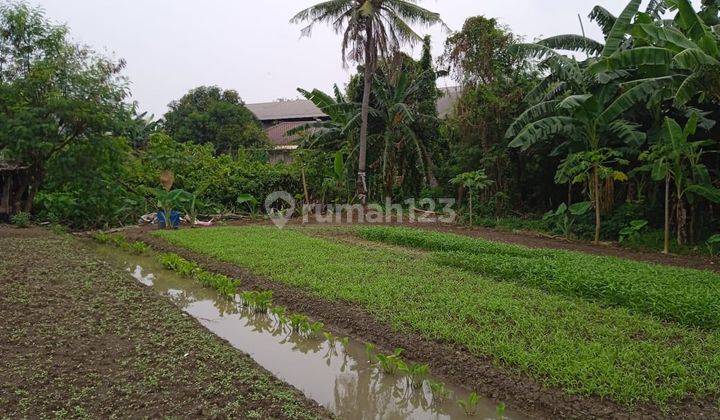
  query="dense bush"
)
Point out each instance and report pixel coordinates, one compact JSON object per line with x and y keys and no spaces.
{"x":686,"y":296}
{"x":217,"y":181}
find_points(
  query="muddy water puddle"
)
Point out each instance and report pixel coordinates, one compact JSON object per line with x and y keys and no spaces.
{"x":336,"y":374}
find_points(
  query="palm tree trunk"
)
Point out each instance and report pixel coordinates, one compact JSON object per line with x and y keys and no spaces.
{"x":596,"y":188}
{"x":666,"y":247}
{"x":369,"y":72}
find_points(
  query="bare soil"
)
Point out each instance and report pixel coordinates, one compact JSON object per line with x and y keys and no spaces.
{"x":446,"y":360}
{"x":80,"y":338}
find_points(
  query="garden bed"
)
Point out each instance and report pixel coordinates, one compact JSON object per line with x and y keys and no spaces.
{"x":547,"y":355}
{"x":80,"y":338}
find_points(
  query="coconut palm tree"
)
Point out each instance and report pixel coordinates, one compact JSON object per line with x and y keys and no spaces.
{"x":371,"y":29}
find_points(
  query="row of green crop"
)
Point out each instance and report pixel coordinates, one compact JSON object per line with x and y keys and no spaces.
{"x":567,"y":342}
{"x":261,"y":302}
{"x":689,"y":297}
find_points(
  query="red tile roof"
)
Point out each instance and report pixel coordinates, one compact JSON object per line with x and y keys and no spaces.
{"x":278,"y":133}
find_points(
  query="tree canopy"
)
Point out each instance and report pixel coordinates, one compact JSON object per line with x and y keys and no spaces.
{"x":210,"y":115}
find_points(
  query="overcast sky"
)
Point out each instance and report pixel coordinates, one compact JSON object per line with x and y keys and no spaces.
{"x":172,"y":46}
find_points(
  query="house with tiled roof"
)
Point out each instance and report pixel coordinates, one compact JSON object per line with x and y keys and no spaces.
{"x":280,"y":117}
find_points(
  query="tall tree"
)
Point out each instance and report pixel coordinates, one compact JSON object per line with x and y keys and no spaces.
{"x":54,"y":94}
{"x":371,"y":29}
{"x":208,"y":114}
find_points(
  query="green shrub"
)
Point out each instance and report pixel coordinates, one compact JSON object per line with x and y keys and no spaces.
{"x":137,"y":248}
{"x":102,"y":237}
{"x":689,"y":297}
{"x":21,"y":220}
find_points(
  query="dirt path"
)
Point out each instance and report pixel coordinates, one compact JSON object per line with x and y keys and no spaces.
{"x":80,"y":338}
{"x":446,"y":360}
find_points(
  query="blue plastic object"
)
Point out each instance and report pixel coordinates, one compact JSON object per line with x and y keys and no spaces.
{"x":174,"y":219}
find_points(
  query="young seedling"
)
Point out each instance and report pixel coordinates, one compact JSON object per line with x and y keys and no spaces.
{"x":331,"y":339}
{"x":299,"y":323}
{"x":500,"y":411}
{"x":390,"y":364}
{"x":259,"y":302}
{"x":315,"y":328}
{"x":279,"y":311}
{"x":439,"y":391}
{"x":470,"y":405}
{"x":370,"y":352}
{"x":345,"y":341}
{"x":416,"y":373}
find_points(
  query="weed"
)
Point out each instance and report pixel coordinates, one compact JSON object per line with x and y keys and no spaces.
{"x":278,"y":311}
{"x":138,"y":248}
{"x":101,"y":237}
{"x":223,"y":284}
{"x":21,"y":220}
{"x":470,"y":404}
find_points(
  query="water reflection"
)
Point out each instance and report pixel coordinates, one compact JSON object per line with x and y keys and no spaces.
{"x":335,"y":374}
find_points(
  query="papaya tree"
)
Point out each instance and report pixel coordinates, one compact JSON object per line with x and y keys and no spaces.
{"x":677,"y":161}
{"x":474,"y":182}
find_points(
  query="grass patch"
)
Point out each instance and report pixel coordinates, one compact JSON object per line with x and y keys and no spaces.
{"x":690,"y":297}
{"x":566,"y":342}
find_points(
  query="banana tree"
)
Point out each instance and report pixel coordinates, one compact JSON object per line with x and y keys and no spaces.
{"x":168,"y":201}
{"x":588,"y":137}
{"x":403,"y":151}
{"x":678,"y":60}
{"x":677,"y":161}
